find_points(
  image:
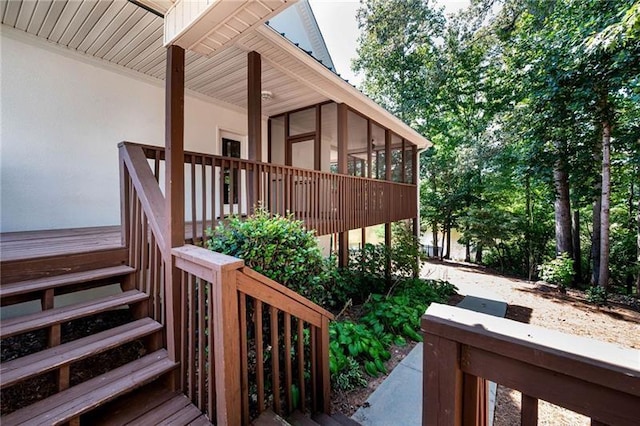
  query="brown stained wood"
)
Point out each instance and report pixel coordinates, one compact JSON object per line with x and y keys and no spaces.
{"x":124,"y":410}
{"x":442,"y":382}
{"x":324,"y":388}
{"x":211,"y":371}
{"x":288,"y":372}
{"x":202,"y":343}
{"x":86,"y":396}
{"x":529,"y":412}
{"x":53,"y":317}
{"x":301,"y":385}
{"x":254,"y":105}
{"x":590,"y":360}
{"x":161,"y":413}
{"x":474,"y":404}
{"x":275,"y":359}
{"x":590,"y":399}
{"x":314,"y":369}
{"x":194,"y":210}
{"x":20,"y":369}
{"x":190,"y":362}
{"x":259,"y":355}
{"x":253,"y":288}
{"x":46,"y":301}
{"x":184,"y":337}
{"x":50,"y":283}
{"x":244,"y":360}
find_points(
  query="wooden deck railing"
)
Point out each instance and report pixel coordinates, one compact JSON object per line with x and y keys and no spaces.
{"x":599,"y":380}
{"x":327,"y":202}
{"x":143,"y":221}
{"x":239,"y":352}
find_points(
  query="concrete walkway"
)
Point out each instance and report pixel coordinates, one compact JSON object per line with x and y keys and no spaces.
{"x":398,"y":400}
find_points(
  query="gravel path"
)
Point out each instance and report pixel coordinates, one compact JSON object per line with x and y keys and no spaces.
{"x":544,"y":306}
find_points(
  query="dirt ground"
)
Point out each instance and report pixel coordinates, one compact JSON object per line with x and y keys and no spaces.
{"x":544,"y":306}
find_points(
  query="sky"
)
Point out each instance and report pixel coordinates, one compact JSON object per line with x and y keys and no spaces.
{"x":337,"y":22}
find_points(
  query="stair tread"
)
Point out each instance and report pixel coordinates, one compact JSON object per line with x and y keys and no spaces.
{"x":269,"y":418}
{"x":124,"y":410}
{"x":325,"y":420}
{"x":162,"y":412}
{"x":298,"y":419}
{"x":23,"y":324}
{"x":41,"y":362}
{"x":40,"y":284}
{"x":344,"y":420}
{"x":79,"y":399}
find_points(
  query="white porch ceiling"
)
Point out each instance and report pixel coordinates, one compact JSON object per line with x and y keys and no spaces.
{"x":125,"y":34}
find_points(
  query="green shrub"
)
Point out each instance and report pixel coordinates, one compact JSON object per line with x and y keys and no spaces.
{"x":558,"y":271}
{"x":406,"y":255}
{"x":356,"y":341}
{"x":278,"y":247}
{"x":349,"y":377}
{"x":597,"y":295}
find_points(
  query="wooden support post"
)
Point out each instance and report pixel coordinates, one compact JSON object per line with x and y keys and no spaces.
{"x":442,"y":382}
{"x":174,"y":194}
{"x":317,"y":140}
{"x":254,"y":125}
{"x":387,"y":176}
{"x":414,"y":180}
{"x":474,"y":404}
{"x":343,"y":135}
{"x":227,"y":343}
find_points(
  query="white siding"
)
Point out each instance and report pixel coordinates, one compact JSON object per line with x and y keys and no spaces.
{"x":62,"y":116}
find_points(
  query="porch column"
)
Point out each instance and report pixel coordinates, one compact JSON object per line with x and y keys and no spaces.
{"x":387,"y":176}
{"x":414,"y":180}
{"x":254,"y":123}
{"x":343,"y":135}
{"x":174,"y":193}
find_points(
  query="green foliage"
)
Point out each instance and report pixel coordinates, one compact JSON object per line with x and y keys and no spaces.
{"x":558,"y":271}
{"x":406,"y":255}
{"x":278,"y":247}
{"x":349,"y":340}
{"x":597,"y":295}
{"x":349,"y":377}
{"x":396,"y":315}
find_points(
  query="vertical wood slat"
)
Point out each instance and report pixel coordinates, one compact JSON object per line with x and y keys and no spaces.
{"x":211,"y":373}
{"x":529,"y":412}
{"x":303,"y":401}
{"x":203,"y":173}
{"x":275,"y":360}
{"x":442,"y":383}
{"x":259,"y":357}
{"x":244,"y":359}
{"x":194,"y":210}
{"x":287,"y":360}
{"x":202,"y":314}
{"x":191,"y":332}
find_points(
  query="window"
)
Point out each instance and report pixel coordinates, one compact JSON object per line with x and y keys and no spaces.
{"x":231,"y":148}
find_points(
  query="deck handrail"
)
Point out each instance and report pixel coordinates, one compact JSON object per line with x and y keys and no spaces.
{"x":228,"y":307}
{"x":143,"y":229}
{"x":326,"y":202}
{"x":597,"y":379}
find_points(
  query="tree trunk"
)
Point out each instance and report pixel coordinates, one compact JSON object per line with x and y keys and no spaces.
{"x":479,"y":253}
{"x":597,"y":205}
{"x":577,"y":251}
{"x":527,"y":232}
{"x":603,"y":276}
{"x":562,"y":208}
{"x":467,"y":251}
{"x":448,"y":255}
{"x":436,"y":252}
{"x":638,"y":250}
{"x":444,"y":234}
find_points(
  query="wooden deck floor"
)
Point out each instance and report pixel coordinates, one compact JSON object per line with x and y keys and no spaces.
{"x":35,"y":244}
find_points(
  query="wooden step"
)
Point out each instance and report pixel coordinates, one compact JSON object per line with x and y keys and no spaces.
{"x":88,"y":395}
{"x":344,"y":420}
{"x":298,"y":419}
{"x":325,"y":420}
{"x":149,"y":405}
{"x":41,"y":284}
{"x":41,"y":362}
{"x":269,"y":418}
{"x":12,"y":326}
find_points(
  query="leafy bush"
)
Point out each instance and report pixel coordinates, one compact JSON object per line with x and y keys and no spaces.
{"x":406,"y":255}
{"x":356,"y":341}
{"x":278,"y":247}
{"x":597,"y":295}
{"x":349,"y":377}
{"x":558,"y":271}
{"x":395,"y":315}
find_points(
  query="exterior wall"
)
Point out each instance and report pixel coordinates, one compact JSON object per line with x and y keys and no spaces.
{"x":62,"y":116}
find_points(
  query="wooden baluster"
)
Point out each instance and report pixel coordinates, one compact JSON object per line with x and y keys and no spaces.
{"x":314,"y":370}
{"x":275,"y":361}
{"x":203,"y":176}
{"x":287,"y":360}
{"x":202,"y":314}
{"x":221,"y":188}
{"x":194,"y":217}
{"x":191,"y":332}
{"x":184,"y":341}
{"x":211,"y":389}
{"x":259,"y":356}
{"x":529,"y":412}
{"x":303,"y":401}
{"x":244,"y":359}
{"x":324,"y":384}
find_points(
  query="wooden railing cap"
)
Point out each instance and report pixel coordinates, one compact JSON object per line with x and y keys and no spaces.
{"x":484,"y":331}
{"x":207,"y":258}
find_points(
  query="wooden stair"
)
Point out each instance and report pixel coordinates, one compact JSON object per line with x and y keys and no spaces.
{"x":71,"y":404}
{"x":269,"y":418}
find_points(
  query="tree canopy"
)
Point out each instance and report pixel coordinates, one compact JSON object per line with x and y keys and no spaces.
{"x":533,"y":108}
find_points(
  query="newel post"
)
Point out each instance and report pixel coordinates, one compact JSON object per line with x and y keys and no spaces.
{"x":226,"y":333}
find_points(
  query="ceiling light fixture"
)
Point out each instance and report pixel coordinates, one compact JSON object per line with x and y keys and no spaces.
{"x":266,"y":95}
